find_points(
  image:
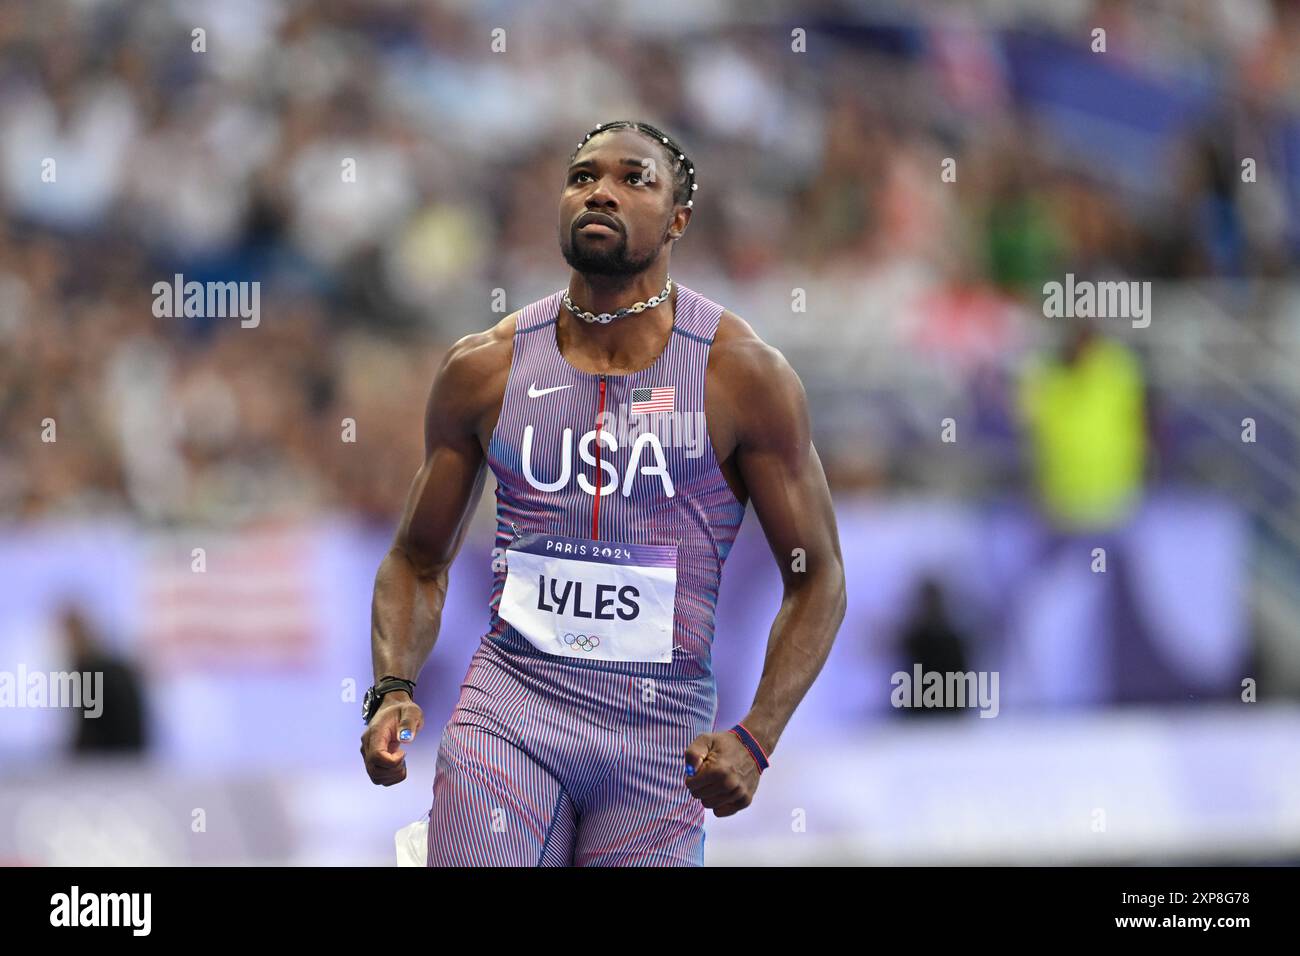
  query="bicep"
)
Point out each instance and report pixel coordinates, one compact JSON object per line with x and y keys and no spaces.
{"x":444,"y":491}
{"x":784,"y":475}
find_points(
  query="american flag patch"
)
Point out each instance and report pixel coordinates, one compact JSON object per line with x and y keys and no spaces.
{"x":646,"y":400}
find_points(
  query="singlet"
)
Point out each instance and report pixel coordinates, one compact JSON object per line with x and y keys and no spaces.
{"x":652,"y":461}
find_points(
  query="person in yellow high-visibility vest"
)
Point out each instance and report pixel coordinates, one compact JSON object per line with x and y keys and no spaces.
{"x":1086,"y":421}
{"x":1084,"y":410}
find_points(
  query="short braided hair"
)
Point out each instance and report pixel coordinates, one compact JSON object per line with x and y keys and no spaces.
{"x":683,"y":167}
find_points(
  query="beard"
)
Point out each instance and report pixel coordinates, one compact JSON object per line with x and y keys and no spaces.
{"x":604,"y":258}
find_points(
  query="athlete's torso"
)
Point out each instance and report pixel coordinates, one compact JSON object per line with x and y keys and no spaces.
{"x":651,"y":460}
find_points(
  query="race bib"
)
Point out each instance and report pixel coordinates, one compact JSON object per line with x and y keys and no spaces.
{"x":599,"y":600}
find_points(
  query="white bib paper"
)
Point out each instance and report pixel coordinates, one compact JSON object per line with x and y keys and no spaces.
{"x":599,"y":600}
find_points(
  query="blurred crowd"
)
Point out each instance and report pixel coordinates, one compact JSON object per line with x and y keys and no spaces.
{"x":221,"y":155}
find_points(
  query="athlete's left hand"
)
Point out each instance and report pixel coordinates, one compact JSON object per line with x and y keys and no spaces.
{"x":726,"y":775}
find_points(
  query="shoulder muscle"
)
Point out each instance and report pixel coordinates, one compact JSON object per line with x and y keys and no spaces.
{"x":469,"y":383}
{"x":766,"y":400}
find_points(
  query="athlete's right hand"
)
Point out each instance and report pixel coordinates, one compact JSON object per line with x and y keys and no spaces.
{"x":380,"y":746}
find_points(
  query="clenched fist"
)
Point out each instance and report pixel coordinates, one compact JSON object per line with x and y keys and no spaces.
{"x":381,"y":744}
{"x":726,"y":775}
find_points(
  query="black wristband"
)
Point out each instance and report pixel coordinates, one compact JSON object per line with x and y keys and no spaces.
{"x":375,"y":695}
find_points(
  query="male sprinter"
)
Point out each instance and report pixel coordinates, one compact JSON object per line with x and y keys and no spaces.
{"x":584,"y":730}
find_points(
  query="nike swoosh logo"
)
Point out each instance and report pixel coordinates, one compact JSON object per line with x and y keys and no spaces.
{"x":535,"y":392}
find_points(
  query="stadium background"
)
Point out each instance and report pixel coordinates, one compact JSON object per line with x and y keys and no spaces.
{"x":1121,"y":733}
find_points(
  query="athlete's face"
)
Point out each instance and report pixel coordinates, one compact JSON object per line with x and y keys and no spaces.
{"x":617,"y":211}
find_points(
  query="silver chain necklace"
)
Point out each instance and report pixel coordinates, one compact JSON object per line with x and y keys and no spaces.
{"x":607,"y":317}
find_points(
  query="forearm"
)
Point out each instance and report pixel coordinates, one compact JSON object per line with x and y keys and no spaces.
{"x":405,"y":615}
{"x":800,"y":641}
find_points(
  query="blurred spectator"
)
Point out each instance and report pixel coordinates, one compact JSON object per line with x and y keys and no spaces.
{"x":380,"y":172}
{"x":1085,"y":418}
{"x":931,"y":639}
{"x":120,"y":726}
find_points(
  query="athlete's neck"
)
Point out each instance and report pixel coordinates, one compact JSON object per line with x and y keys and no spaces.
{"x":627,"y":344}
{"x":598,"y":294}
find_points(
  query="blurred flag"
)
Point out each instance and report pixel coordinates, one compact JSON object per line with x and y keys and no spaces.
{"x":244,"y":600}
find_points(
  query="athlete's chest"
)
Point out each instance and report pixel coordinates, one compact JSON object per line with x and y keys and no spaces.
{"x":639,"y":434}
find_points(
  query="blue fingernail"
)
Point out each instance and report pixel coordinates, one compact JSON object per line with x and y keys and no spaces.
{"x":404,"y":735}
{"x":690,"y":771}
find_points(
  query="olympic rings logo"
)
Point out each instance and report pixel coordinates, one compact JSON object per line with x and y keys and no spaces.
{"x":588,"y":642}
